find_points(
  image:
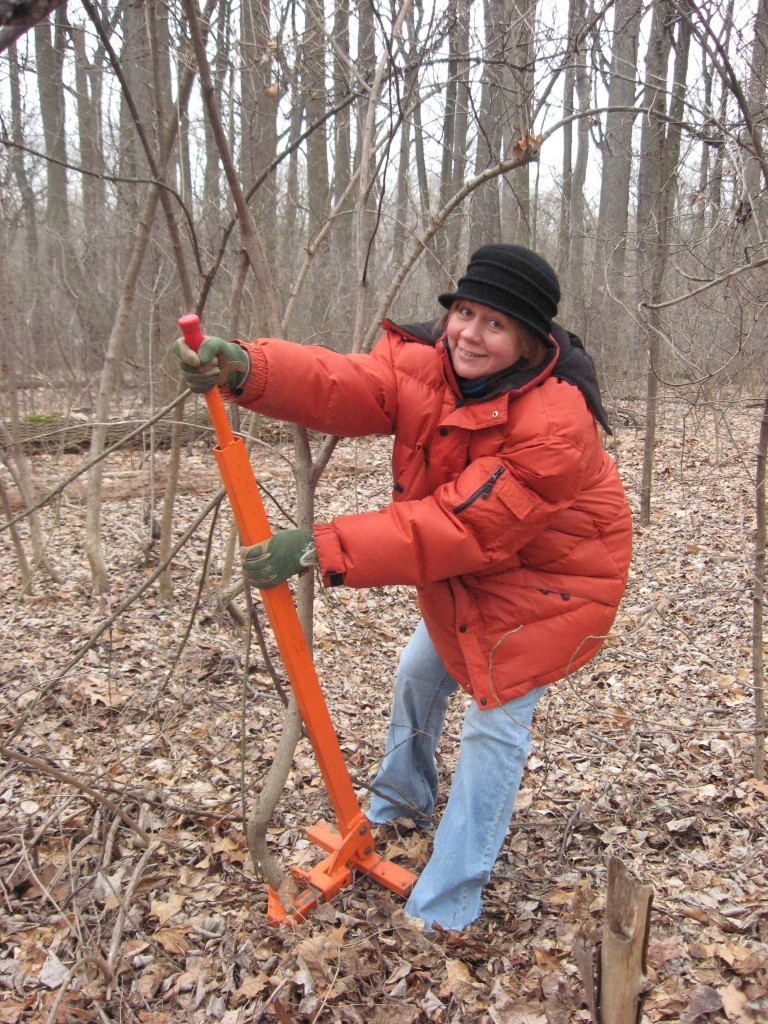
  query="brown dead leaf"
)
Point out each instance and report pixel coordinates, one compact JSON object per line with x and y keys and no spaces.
{"x":11,"y":1010}
{"x":173,"y":940}
{"x":662,"y":950}
{"x":703,"y":1001}
{"x":251,"y":987}
{"x":621,"y":747}
{"x":101,"y":691}
{"x":315,"y":953}
{"x":151,"y":979}
{"x":560,"y":898}
{"x":458,"y":981}
{"x":733,"y":1000}
{"x":390,"y":1012}
{"x":164,"y":910}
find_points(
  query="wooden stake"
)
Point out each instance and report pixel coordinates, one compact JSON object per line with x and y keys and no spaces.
{"x":625,"y":944}
{"x":614,"y":971}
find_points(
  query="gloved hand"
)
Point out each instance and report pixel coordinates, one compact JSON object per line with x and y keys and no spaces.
{"x":216,"y":362}
{"x":283,"y":555}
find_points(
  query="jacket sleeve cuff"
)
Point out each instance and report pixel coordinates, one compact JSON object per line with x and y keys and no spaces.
{"x":329,"y":554}
{"x":256,"y":382}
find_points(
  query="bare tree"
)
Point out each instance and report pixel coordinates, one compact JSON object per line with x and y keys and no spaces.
{"x":572,"y":228}
{"x":616,"y":154}
{"x":659,"y":153}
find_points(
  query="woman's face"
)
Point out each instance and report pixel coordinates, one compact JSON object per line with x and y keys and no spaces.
{"x":480,"y":340}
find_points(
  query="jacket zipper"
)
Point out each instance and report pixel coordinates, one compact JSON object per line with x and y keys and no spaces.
{"x":483,"y":492}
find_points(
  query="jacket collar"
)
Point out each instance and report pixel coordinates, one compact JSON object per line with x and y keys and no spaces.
{"x":513,"y":382}
{"x":566,"y":360}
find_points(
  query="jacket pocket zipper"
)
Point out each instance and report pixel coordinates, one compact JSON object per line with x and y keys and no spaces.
{"x":483,"y":492}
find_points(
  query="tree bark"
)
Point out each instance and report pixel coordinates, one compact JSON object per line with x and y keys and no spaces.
{"x":616,"y":151}
{"x":758,"y":598}
{"x":258,"y":120}
{"x":485,"y":206}
{"x":613,"y":971}
{"x":454,"y":144}
{"x":516,"y":210}
{"x":659,"y":154}
{"x":625,"y":943}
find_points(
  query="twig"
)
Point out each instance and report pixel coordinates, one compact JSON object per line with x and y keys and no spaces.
{"x":281,"y":985}
{"x":99,"y":961}
{"x":126,"y":901}
{"x":708,"y":284}
{"x":196,"y":604}
{"x":322,"y":1005}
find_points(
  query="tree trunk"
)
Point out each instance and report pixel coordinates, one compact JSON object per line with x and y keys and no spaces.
{"x":258,"y":122}
{"x":50,"y":60}
{"x":16,"y":158}
{"x":485,"y":207}
{"x":516,"y":221}
{"x":613,"y":215}
{"x":755,"y":174}
{"x":625,"y":944}
{"x":570,"y":245}
{"x":614,"y":971}
{"x":364,"y":221}
{"x":569,"y":87}
{"x":758,"y":598}
{"x":454,"y":147}
{"x":659,"y":154}
{"x":123,"y":332}
{"x":24,"y":477}
{"x":578,"y":225}
{"x":321,"y":278}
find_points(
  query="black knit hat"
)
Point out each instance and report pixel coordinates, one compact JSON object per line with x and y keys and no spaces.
{"x":513,"y":280}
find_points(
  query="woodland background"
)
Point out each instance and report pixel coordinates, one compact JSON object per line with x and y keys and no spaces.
{"x":303,"y":170}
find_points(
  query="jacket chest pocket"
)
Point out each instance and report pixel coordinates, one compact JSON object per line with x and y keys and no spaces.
{"x":482,"y":493}
{"x":452,"y":449}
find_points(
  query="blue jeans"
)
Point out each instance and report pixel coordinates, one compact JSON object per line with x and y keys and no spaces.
{"x":492,"y":756}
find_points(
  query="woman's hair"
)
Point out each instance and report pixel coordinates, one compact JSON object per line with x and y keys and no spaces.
{"x":534,"y":350}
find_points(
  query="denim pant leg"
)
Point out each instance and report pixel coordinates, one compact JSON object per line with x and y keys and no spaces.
{"x":406,"y":785}
{"x":494,"y":749}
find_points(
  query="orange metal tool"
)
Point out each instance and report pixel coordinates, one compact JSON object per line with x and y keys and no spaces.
{"x":350,"y":845}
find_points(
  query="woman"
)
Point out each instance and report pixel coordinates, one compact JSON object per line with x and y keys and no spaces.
{"x":507,"y":515}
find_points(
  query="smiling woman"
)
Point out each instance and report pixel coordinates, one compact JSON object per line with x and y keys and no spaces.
{"x":507,"y":515}
{"x":482,"y":341}
{"x":500,"y":279}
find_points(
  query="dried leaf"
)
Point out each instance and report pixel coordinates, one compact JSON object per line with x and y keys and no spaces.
{"x":53,"y":973}
{"x":703,"y":1001}
{"x":250,"y":987}
{"x":164,"y":910}
{"x":173,"y":940}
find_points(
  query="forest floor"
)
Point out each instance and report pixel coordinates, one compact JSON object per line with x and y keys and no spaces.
{"x":126,"y":887}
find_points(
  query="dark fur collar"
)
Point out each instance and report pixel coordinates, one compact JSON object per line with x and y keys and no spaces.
{"x":572,"y":363}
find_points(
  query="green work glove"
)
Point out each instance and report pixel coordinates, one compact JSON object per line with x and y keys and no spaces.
{"x":216,"y":363}
{"x":273,"y":561}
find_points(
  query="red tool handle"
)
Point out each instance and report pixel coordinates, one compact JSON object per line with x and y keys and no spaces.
{"x":192,"y":331}
{"x":194,"y":337}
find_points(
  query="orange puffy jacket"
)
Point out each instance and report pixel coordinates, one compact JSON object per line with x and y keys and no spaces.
{"x":507,"y":514}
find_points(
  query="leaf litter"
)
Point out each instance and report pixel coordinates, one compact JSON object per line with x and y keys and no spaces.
{"x":645,"y":754}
